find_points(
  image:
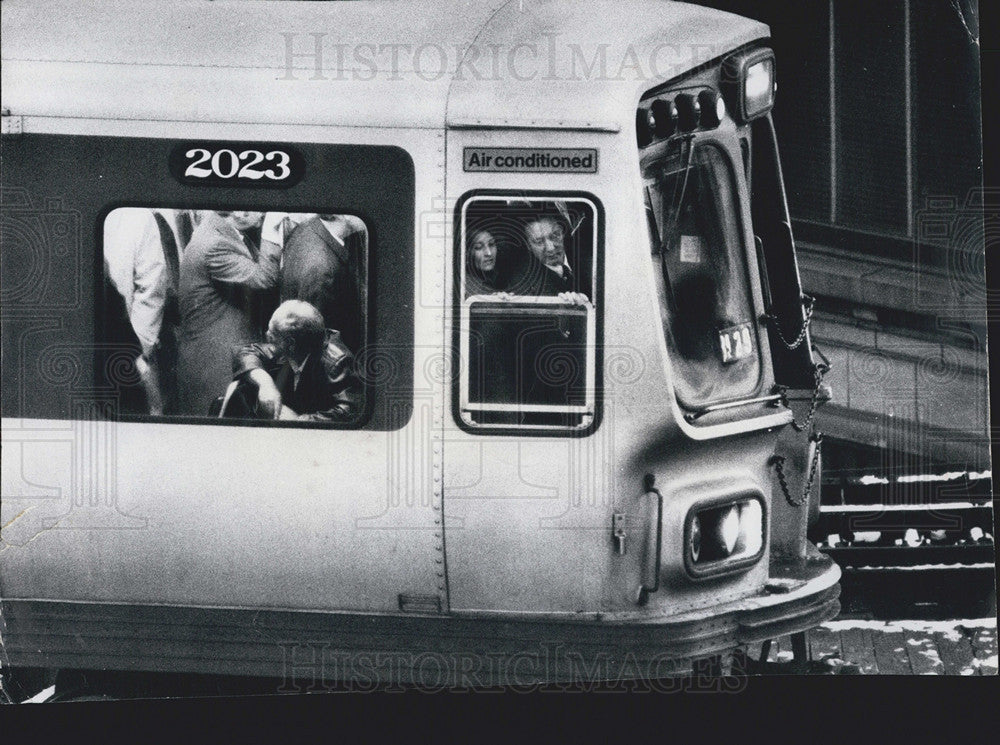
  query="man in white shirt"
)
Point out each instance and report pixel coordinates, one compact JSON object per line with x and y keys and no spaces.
{"x":134,"y":265}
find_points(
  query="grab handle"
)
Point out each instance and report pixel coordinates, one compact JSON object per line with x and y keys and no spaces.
{"x":650,"y":490}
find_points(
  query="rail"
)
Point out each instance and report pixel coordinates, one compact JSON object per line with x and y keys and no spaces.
{"x":906,"y":524}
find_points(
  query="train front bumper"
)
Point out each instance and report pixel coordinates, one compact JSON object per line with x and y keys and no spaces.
{"x":799,"y":595}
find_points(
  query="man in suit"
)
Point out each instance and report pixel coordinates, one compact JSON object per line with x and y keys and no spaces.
{"x":322,"y":264}
{"x":303,"y":372}
{"x":221,"y":274}
{"x":550,"y":350}
{"x":546,"y":237}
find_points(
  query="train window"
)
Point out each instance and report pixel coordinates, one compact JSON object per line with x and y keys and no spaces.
{"x":236,"y":314}
{"x":528,"y":305}
{"x":702,"y":278}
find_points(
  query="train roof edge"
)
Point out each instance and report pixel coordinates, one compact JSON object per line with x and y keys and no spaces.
{"x":406,"y":63}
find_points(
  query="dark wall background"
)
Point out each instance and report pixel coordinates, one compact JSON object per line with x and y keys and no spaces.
{"x":856,"y":157}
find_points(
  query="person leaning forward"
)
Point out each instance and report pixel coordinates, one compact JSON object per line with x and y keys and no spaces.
{"x":303,"y":372}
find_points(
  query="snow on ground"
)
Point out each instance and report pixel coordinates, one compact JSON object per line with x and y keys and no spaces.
{"x":945,"y":627}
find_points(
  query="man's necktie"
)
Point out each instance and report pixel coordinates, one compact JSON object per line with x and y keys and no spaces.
{"x":170,"y":253}
{"x":185,"y":227}
{"x":251,"y":246}
{"x":567,"y":277}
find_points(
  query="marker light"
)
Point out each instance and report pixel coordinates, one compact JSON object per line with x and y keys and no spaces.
{"x":644,"y":123}
{"x":688,"y":112}
{"x":713,"y":108}
{"x":666,"y":117}
{"x":752,"y":524}
{"x":728,"y":530}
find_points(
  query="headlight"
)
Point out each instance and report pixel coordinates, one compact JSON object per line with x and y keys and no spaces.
{"x":752,"y":523}
{"x":665,"y":112}
{"x":685,"y":112}
{"x":688,"y":112}
{"x":728,"y":530}
{"x":724,"y":536}
{"x":645,"y":120}
{"x":713,"y":108}
{"x":748,"y":83}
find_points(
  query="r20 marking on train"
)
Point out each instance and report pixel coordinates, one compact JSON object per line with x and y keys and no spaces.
{"x":735,"y":343}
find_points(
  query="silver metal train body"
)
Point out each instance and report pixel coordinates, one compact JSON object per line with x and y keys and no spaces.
{"x":635,"y":520}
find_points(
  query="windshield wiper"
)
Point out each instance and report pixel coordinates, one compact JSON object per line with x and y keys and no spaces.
{"x":677,"y":200}
{"x":682,"y":179}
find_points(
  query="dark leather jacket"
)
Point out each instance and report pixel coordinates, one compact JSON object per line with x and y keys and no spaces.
{"x":329,"y":389}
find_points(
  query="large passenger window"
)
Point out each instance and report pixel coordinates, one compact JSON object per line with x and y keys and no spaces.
{"x":236,"y":314}
{"x":528,"y":312}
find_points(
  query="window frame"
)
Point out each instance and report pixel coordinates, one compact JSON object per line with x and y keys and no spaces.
{"x":595,"y":328}
{"x":360,"y":422}
{"x":117,"y":170}
{"x":733,"y":175}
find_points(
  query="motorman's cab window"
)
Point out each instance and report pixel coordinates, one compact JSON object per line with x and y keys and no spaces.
{"x":700,"y":265}
{"x":528,"y":290}
{"x":237,"y":314}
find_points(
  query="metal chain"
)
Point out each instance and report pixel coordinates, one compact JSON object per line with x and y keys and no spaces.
{"x":809,"y":304}
{"x":819,"y":370}
{"x":778,"y":461}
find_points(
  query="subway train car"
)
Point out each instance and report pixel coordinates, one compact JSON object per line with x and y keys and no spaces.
{"x":556,"y":427}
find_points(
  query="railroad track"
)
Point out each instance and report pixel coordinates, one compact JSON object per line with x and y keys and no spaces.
{"x":911,"y":548}
{"x":912,"y":523}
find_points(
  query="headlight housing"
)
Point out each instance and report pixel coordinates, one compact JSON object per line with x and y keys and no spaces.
{"x":724,"y":536}
{"x":748,"y":84}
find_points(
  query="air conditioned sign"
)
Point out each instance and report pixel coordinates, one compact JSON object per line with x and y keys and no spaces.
{"x":530,"y":160}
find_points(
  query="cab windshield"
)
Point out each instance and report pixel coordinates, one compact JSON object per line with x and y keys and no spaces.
{"x":702,"y":279}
